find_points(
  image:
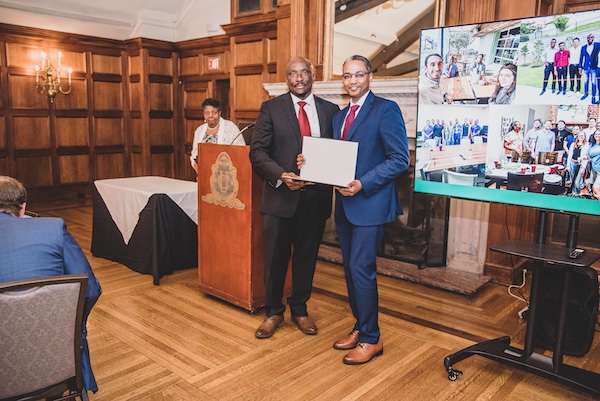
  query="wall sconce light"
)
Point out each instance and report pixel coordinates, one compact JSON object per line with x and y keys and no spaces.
{"x":50,"y":81}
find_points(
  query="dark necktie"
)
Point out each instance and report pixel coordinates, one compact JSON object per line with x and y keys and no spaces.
{"x":303,"y":120}
{"x":349,"y":121}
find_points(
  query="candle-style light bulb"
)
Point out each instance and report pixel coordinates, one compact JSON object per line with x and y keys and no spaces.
{"x":37,"y":74}
{"x":43,"y":60}
{"x":59,"y":57}
{"x":70,"y":70}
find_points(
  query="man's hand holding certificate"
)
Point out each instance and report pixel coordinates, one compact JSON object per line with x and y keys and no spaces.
{"x":328,"y":161}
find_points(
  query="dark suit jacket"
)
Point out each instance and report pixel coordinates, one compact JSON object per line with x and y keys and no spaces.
{"x":382,"y":156}
{"x":41,"y":247}
{"x":276,"y":142}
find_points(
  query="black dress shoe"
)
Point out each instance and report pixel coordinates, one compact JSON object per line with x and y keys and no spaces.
{"x":584,"y":96}
{"x":305,"y":324}
{"x":268,"y":327}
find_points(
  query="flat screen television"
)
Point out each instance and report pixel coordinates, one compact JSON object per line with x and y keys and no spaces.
{"x":499,"y":103}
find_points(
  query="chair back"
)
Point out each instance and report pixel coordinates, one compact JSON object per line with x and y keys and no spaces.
{"x":477,"y":139}
{"x":532,"y":182}
{"x":526,"y":156}
{"x":40,"y":335}
{"x":547,"y":158}
{"x":452,"y":177}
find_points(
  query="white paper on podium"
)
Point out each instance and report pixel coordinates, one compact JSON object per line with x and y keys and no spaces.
{"x":329,"y":161}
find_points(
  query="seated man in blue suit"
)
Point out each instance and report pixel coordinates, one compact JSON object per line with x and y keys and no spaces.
{"x":41,"y":247}
{"x":366,"y":204}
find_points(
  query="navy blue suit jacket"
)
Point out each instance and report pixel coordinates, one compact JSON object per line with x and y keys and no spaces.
{"x":41,"y":247}
{"x":382,"y":156}
{"x":587,"y":61}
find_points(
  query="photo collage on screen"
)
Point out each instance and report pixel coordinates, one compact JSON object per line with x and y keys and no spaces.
{"x":512,"y":105}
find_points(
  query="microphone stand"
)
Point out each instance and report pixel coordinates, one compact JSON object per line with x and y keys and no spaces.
{"x":242,"y":131}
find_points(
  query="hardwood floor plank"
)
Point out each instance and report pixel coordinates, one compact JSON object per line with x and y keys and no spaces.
{"x":172,"y":342}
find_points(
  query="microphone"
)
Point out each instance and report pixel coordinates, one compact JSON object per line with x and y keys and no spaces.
{"x":242,"y":131}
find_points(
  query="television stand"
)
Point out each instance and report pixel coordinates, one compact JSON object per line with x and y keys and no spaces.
{"x":500,"y":350}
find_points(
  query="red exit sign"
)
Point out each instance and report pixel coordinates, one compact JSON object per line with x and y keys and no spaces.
{"x":214,"y":63}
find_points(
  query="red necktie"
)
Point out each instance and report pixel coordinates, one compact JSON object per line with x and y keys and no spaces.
{"x":303,"y":120}
{"x":349,"y":121}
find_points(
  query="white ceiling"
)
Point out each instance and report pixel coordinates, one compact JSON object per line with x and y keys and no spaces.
{"x":176,"y":20}
{"x":170,"y":20}
{"x":371,"y":31}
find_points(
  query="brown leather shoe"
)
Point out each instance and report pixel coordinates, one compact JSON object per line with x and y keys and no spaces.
{"x":268,"y":327}
{"x":348,"y":342}
{"x":305,"y":324}
{"x":363,"y":353}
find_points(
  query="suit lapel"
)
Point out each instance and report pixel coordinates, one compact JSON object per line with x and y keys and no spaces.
{"x":290,"y":112}
{"x":362,"y":113}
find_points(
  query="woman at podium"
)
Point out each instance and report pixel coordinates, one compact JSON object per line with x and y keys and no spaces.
{"x":214,"y":130}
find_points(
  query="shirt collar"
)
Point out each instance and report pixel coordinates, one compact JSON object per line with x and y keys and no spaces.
{"x":310,"y":99}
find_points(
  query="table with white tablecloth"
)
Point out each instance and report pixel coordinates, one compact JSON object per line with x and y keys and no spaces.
{"x":146,"y":223}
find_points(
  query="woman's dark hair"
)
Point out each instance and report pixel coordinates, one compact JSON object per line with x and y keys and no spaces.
{"x":593,"y":140}
{"x":211,"y":102}
{"x":512,"y":68}
{"x":513,"y":125}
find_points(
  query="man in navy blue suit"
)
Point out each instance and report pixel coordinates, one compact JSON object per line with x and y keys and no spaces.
{"x":588,"y":66}
{"x":366,"y":204}
{"x":41,"y":247}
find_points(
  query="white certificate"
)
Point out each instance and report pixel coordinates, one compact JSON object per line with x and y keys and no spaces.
{"x":329,"y":161}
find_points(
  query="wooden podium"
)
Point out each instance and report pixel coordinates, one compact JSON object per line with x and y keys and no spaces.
{"x":230,"y":227}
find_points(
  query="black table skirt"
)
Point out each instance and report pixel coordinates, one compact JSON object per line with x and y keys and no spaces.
{"x":164,"y":240}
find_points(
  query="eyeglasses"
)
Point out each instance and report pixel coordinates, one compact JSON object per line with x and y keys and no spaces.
{"x":357,"y":75}
{"x":294,"y":74}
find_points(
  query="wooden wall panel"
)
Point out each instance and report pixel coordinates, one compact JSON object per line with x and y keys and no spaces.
{"x":249,"y":93}
{"x":137,"y":132}
{"x":189,"y":66}
{"x":109,"y":131}
{"x":465,"y":12}
{"x":190,"y":127}
{"x":72,"y":132}
{"x":103,"y":64}
{"x":108,"y":96}
{"x":3,"y":141}
{"x":160,"y":66}
{"x":76,"y":100}
{"x":161,"y":132}
{"x":137,"y":165}
{"x":74,"y":169}
{"x":162,"y":164}
{"x":135,"y":96}
{"x":161,"y":96}
{"x":248,"y":53}
{"x":23,"y":94}
{"x":111,"y":165}
{"x":4,"y":166}
{"x":34,"y":171}
{"x":135,"y":65}
{"x":272,"y":51}
{"x":31,"y":133}
{"x":194,"y":94}
{"x":571,"y":6}
{"x":22,"y":55}
{"x":73,"y":59}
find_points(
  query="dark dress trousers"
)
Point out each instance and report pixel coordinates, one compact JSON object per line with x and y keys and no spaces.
{"x":293,"y":220}
{"x":382,"y":156}
{"x":41,"y":247}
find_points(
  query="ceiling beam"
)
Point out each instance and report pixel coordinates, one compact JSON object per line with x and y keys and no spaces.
{"x":400,"y":69}
{"x":409,"y":35}
{"x":354,"y":7}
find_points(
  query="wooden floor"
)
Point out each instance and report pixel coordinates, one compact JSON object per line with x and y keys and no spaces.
{"x":172,"y":342}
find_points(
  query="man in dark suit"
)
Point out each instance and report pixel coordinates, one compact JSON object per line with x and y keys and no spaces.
{"x":41,"y":247}
{"x":294,"y":213}
{"x":366,"y":204}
